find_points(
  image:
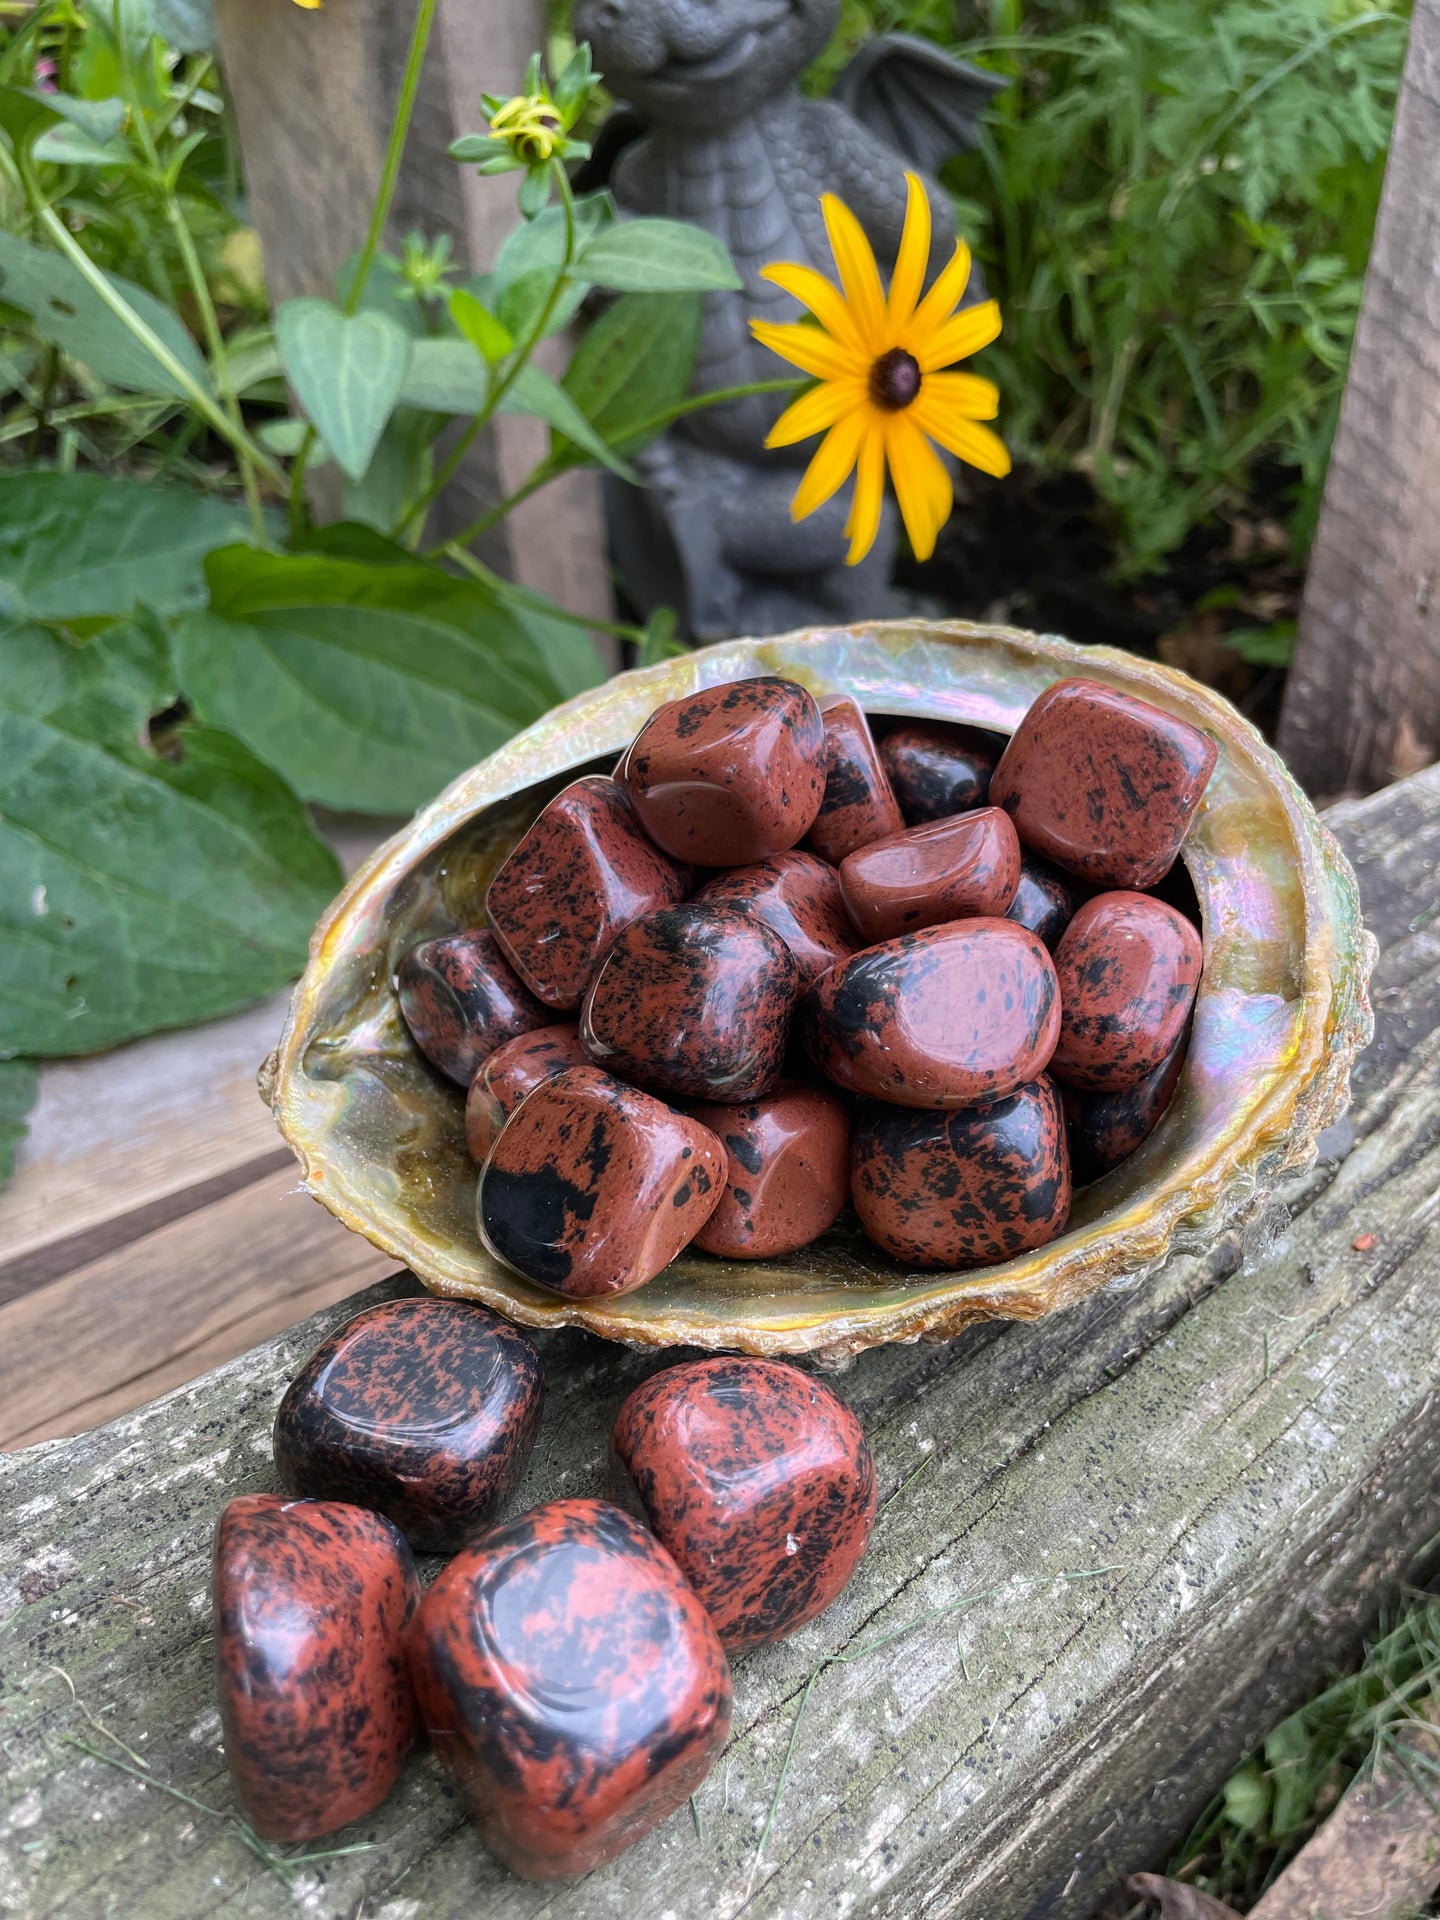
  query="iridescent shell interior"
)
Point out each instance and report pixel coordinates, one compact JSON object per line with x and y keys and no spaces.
{"x":1282,"y":1012}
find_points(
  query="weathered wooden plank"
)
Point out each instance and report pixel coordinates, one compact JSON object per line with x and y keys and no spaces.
{"x":1175,"y":1505}
{"x":1363,"y":698}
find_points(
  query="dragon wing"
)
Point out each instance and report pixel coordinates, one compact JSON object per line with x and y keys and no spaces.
{"x":916,"y":97}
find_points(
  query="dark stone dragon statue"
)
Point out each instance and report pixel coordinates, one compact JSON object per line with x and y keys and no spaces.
{"x":713,"y":129}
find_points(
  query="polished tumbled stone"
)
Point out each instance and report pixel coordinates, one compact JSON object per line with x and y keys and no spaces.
{"x":950,"y":1017}
{"x":964,"y":1189}
{"x":593,"y":1187}
{"x":583,"y":872}
{"x":312,"y":1602}
{"x":1106,"y":1128}
{"x":731,"y":774}
{"x":572,"y":1682}
{"x":509,"y":1074}
{"x":936,"y":769}
{"x":1128,"y":967}
{"x":953,"y":869}
{"x":858,"y":806}
{"x":1102,"y":783}
{"x":798,"y":896}
{"x":758,"y":1482}
{"x":789,"y":1159}
{"x":461,"y":999}
{"x":694,"y":1002}
{"x":424,"y":1410}
{"x":1045,"y":899}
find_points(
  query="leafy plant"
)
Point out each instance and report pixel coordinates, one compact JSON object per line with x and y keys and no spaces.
{"x":1173,"y":203}
{"x":182,"y":668}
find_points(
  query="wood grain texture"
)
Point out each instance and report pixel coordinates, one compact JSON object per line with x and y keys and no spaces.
{"x":314,"y":90}
{"x":1176,"y":1505}
{"x":1363,"y":697}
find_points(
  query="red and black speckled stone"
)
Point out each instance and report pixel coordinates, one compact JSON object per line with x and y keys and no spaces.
{"x":423,"y":1410}
{"x":937,"y":769}
{"x":1045,"y":900}
{"x":952,"y":869}
{"x":573,"y":1684}
{"x":461,"y":999}
{"x":582,"y":872}
{"x":950,"y":1017}
{"x":1106,"y":1128}
{"x":509,"y":1074}
{"x":798,"y":896}
{"x":858,"y":806}
{"x":312,"y":1603}
{"x":1128,"y":967}
{"x":593,"y":1186}
{"x":694,"y":1002}
{"x":731,"y":774}
{"x":789,"y":1158}
{"x":758,"y":1483}
{"x":948,"y":1190}
{"x":1102,"y":783}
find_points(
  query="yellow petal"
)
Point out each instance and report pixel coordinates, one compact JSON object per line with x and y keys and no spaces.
{"x":810,"y":350}
{"x":913,"y":257}
{"x":942,"y":299}
{"x":864,"y":521}
{"x":922,"y":486}
{"x":976,"y":327}
{"x":964,"y":395}
{"x":965,"y":438}
{"x":859,"y":275}
{"x":830,"y":468}
{"x":813,"y":412}
{"x":814,"y":291}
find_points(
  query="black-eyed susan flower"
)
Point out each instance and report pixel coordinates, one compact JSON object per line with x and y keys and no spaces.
{"x":883,"y":394}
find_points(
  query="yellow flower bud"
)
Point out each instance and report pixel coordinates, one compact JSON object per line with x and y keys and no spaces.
{"x":530,"y":125}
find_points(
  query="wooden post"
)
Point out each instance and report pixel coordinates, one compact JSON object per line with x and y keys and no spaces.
{"x":1363,"y":700}
{"x":313,"y":93}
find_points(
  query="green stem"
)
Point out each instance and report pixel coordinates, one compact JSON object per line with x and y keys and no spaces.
{"x":540,"y":477}
{"x":534,"y":601}
{"x":519,"y":360}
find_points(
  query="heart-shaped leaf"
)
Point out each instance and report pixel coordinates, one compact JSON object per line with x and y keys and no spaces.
{"x":347,"y":372}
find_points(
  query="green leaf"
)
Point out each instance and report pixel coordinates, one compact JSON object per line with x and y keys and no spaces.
{"x":634,"y":363}
{"x":347,"y":373}
{"x":444,"y":376}
{"x":1264,"y":646}
{"x":69,"y":147}
{"x":18,"y":1081}
{"x":535,"y":191}
{"x":67,"y":310}
{"x":660,"y":642}
{"x":367,"y":685}
{"x":535,"y":393}
{"x":76,"y":545}
{"x":567,"y":650}
{"x":186,"y":25}
{"x":491,"y":340}
{"x":100,"y":120}
{"x":136,"y":892}
{"x":656,"y":256}
{"x":540,"y":243}
{"x":475,"y":147}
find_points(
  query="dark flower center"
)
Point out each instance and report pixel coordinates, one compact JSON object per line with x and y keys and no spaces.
{"x":895,"y":380}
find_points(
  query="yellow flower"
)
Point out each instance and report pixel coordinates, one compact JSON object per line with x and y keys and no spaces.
{"x":530,"y":125}
{"x":882,"y":395}
{"x":310,"y":6}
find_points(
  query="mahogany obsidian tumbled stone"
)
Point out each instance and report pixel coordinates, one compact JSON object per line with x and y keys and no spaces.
{"x":858,"y":806}
{"x":312,"y":1602}
{"x":1103,"y":783}
{"x":582,"y":872}
{"x":730,"y":774}
{"x":758,"y":1482}
{"x":937,"y":769}
{"x":509,"y":1074}
{"x":694,"y":1001}
{"x":572,"y":1682}
{"x":593,"y":1186}
{"x":1045,"y":900}
{"x":949,"y":1017}
{"x":943,"y":870}
{"x":461,"y":999}
{"x":945,"y":1190}
{"x":789,"y":1158}
{"x":1128,"y":967}
{"x":1106,"y":1128}
{"x":424,"y":1410}
{"x":798,"y":896}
